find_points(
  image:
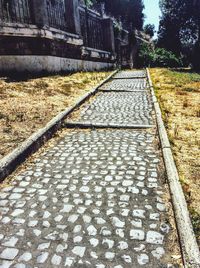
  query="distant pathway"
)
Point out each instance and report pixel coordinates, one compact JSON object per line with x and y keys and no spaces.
{"x":97,"y":197}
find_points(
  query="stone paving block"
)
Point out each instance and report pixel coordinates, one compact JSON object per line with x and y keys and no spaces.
{"x":126,"y":85}
{"x":94,"y":198}
{"x":82,"y":205}
{"x":131,"y":74}
{"x":121,"y":108}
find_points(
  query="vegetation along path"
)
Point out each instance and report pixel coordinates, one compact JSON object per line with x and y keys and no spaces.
{"x":95,"y":196}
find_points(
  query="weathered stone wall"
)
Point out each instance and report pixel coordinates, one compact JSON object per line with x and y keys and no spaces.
{"x":48,"y":36}
{"x":49,"y":64}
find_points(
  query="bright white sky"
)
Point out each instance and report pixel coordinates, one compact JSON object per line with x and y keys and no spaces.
{"x":152,"y":12}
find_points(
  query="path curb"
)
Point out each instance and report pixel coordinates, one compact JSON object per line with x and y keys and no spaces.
{"x":10,"y":162}
{"x":101,"y":125}
{"x":189,"y":246}
{"x":132,"y":91}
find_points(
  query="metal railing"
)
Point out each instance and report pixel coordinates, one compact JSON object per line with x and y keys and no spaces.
{"x":56,"y":14}
{"x":16,"y":11}
{"x":92,"y":29}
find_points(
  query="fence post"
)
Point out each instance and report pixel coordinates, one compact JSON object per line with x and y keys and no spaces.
{"x":40,"y":12}
{"x":73,"y":16}
{"x":109,"y":39}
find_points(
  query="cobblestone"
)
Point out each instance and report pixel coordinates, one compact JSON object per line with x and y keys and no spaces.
{"x":104,"y":225}
{"x":131,"y":74}
{"x":126,"y":85}
{"x":121,"y":108}
{"x":9,"y":253}
{"x":92,"y":199}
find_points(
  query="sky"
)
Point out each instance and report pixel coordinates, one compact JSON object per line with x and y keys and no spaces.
{"x":152,"y":12}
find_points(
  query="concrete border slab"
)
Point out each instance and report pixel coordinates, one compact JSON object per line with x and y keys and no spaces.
{"x":100,"y":125}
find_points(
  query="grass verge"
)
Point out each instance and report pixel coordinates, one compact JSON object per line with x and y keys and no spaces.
{"x":178,"y":92}
{"x":26,"y":106}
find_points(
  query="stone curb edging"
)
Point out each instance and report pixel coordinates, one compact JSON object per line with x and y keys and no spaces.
{"x":146,"y":90}
{"x":129,"y":78}
{"x":10,"y":162}
{"x":69,"y":124}
{"x":189,"y":246}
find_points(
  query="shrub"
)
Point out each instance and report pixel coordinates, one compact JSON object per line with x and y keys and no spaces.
{"x":164,"y":58}
{"x":145,"y":57}
{"x":158,"y":57}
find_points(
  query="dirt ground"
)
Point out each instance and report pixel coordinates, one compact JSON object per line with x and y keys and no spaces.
{"x":178,"y":92}
{"x":26,"y":106}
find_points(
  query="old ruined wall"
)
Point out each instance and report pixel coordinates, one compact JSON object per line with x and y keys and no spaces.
{"x":53,"y":36}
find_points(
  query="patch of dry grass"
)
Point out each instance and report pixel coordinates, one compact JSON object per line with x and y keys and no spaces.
{"x":27,"y":106}
{"x":179,"y":95}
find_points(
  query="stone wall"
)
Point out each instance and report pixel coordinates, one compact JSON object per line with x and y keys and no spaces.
{"x":53,"y":36}
{"x":50,"y":64}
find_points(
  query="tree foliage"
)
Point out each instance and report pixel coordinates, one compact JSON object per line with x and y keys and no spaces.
{"x":149,"y":29}
{"x":129,"y":12}
{"x":196,"y":51}
{"x":173,"y":18}
{"x":179,"y":29}
{"x":159,"y":57}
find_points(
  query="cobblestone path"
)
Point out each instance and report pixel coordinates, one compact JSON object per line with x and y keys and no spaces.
{"x":94,"y":198}
{"x":128,"y":74}
{"x":126,"y":85}
{"x":122,"y":108}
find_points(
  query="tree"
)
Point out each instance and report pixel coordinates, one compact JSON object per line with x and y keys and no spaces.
{"x":135,"y":14}
{"x":177,"y":20}
{"x":179,"y":25}
{"x":173,"y":18}
{"x":149,"y":29}
{"x":129,"y":12}
{"x":196,"y":51}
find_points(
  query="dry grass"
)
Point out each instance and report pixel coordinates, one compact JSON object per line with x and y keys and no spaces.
{"x":28,"y":105}
{"x":179,"y":95}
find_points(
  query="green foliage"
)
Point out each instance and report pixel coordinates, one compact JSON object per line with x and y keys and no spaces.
{"x":165,"y":58}
{"x":179,"y":29}
{"x":158,"y":57}
{"x":173,"y":18}
{"x":145,"y":55}
{"x":130,"y":12}
{"x":149,"y":29}
{"x":88,"y":3}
